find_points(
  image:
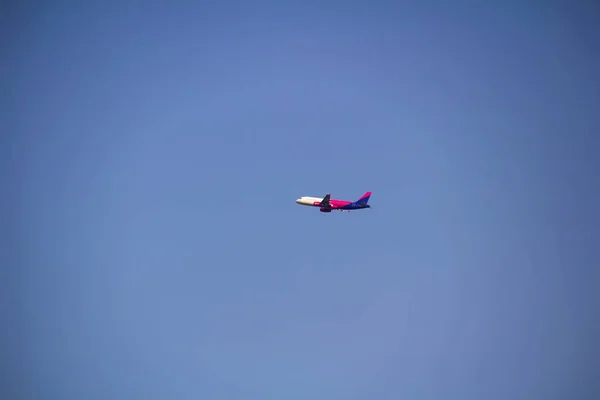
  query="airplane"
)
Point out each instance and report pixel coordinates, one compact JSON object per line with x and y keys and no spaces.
{"x":327,"y":204}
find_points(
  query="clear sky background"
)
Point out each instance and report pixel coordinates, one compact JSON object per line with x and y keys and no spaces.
{"x":155,"y":250}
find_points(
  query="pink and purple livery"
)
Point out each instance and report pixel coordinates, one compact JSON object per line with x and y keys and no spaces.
{"x":326,"y":204}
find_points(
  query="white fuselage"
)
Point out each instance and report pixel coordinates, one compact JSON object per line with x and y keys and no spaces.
{"x":308,"y":201}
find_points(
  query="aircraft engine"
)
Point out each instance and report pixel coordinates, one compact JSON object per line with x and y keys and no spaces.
{"x":323,"y":209}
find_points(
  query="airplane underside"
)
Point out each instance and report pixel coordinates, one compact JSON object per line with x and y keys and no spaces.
{"x":329,"y":209}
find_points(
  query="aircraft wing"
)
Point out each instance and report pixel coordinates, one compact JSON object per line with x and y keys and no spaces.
{"x":325,"y":201}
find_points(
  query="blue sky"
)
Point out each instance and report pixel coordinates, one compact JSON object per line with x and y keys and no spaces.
{"x":156,"y":251}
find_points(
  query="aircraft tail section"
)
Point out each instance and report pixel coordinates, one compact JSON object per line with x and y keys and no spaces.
{"x":363,"y":200}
